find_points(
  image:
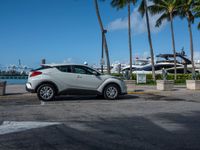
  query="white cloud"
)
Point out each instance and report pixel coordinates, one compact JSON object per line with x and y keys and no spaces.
{"x":138,"y":24}
{"x":68,"y":60}
{"x":197,"y":56}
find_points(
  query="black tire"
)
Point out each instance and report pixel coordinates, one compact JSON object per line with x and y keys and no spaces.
{"x":46,"y":92}
{"x":111,"y":92}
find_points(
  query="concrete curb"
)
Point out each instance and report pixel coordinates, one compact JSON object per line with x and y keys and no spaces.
{"x":145,"y":92}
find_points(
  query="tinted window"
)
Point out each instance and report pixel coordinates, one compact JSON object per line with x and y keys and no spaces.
{"x":165,"y":66}
{"x":147,"y":68}
{"x":171,"y":71}
{"x":133,"y":68}
{"x":82,"y":70}
{"x":64,"y":68}
{"x":179,"y":71}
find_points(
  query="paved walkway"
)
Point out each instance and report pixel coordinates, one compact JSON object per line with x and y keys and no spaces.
{"x":20,"y":89}
{"x":139,"y":89}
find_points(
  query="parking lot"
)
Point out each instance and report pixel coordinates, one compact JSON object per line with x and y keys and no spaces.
{"x":144,"y":120}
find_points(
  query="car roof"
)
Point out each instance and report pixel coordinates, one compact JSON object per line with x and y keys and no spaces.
{"x":64,"y":64}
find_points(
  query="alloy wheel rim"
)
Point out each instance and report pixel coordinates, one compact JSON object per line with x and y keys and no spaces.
{"x":112,"y":92}
{"x":46,"y":92}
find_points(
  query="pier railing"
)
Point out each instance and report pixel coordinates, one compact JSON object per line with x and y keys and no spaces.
{"x":14,"y":77}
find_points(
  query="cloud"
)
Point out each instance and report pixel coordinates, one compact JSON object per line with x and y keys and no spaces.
{"x":197,"y":56}
{"x":68,"y":60}
{"x":138,"y":24}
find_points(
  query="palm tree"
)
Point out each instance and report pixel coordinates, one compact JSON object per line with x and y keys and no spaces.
{"x":168,"y":10}
{"x":186,"y":11}
{"x":103,"y":34}
{"x":143,"y":10}
{"x":196,"y":9}
{"x":121,"y":4}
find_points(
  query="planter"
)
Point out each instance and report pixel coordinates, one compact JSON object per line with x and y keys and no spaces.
{"x":130,"y":84}
{"x":2,"y":88}
{"x":165,"y":85}
{"x":193,"y":84}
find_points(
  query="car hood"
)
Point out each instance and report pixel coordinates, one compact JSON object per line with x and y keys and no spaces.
{"x":109,"y":76}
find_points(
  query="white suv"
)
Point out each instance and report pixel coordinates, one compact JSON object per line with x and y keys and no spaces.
{"x":67,"y":79}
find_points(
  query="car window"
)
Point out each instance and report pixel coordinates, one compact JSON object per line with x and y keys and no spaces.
{"x":65,"y":68}
{"x":84,"y":70}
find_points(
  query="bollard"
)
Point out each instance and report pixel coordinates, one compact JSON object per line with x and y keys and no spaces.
{"x":2,"y":88}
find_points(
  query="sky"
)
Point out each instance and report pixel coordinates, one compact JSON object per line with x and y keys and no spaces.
{"x":68,"y":31}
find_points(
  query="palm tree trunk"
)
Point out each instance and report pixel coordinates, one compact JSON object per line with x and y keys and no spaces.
{"x":173,"y":45}
{"x":102,"y":30}
{"x":150,"y":41}
{"x":191,"y":47}
{"x":129,"y":37}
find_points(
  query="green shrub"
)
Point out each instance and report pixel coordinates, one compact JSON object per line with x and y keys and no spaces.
{"x":181,"y":78}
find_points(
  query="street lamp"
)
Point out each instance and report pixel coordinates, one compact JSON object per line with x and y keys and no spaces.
{"x":102,"y":49}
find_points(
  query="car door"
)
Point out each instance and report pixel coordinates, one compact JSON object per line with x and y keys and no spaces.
{"x":86,"y":78}
{"x":65,"y":77}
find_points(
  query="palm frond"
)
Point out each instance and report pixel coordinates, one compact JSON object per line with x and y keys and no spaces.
{"x":141,"y":8}
{"x":119,"y":3}
{"x":156,"y":9}
{"x":163,"y":17}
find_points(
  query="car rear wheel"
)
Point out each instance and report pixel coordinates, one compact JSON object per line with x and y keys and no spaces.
{"x":111,"y":92}
{"x":46,"y":92}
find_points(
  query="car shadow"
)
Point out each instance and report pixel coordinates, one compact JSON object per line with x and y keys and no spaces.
{"x":13,"y":94}
{"x":90,"y":98}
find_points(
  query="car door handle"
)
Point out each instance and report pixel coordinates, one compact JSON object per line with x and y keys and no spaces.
{"x":79,"y":76}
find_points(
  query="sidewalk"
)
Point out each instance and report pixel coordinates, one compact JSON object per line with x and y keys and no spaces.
{"x":20,"y":89}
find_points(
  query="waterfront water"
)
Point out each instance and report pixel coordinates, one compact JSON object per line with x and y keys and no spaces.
{"x":14,"y":81}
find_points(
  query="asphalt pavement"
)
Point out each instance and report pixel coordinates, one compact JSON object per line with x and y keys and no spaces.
{"x":145,"y":120}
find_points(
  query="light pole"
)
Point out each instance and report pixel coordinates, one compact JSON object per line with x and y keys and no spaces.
{"x":102,"y":50}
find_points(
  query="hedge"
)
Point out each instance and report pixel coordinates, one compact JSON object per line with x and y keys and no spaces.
{"x":181,"y":78}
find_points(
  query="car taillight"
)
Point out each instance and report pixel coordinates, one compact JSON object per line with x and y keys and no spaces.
{"x":35,"y":73}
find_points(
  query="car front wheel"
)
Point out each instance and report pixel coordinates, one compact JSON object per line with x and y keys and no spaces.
{"x":46,"y":92}
{"x":111,"y":92}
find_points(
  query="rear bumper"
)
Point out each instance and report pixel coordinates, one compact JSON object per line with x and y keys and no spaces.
{"x":29,"y":88}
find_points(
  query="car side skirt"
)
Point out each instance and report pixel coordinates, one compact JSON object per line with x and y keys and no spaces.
{"x":79,"y":92}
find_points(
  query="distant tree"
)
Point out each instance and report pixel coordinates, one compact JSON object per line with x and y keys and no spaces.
{"x":103,"y":34}
{"x":168,"y":10}
{"x":119,"y":4}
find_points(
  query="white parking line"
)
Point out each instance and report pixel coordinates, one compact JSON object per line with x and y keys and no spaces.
{"x":17,"y":126}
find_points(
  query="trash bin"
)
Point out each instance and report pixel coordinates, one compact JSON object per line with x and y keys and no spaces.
{"x":141,"y":77}
{"x":2,"y":88}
